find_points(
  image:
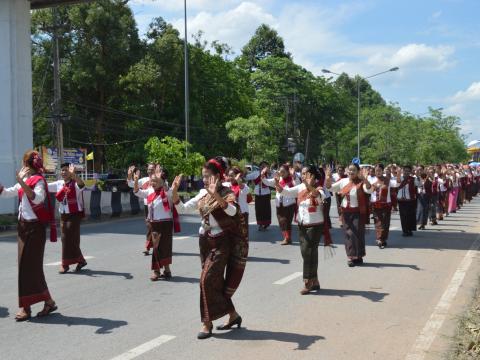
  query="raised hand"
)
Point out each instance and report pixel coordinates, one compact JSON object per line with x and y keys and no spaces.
{"x":328,"y":171}
{"x":136,"y":175}
{"x":176,"y":182}
{"x":24,"y":171}
{"x":130,"y":171}
{"x":212,"y":185}
{"x":238,"y":178}
{"x":71,"y":170}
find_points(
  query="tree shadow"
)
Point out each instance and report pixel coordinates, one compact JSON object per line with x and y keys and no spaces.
{"x":383,"y":265}
{"x":96,"y":273}
{"x":303,"y":342}
{"x":373,"y":296}
{"x":4,"y":312}
{"x":104,"y":326}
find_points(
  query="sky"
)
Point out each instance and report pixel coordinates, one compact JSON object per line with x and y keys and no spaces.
{"x":435,"y":43}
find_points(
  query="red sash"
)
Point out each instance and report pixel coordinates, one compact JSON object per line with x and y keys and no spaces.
{"x":287,"y":181}
{"x":236,"y":189}
{"x":381,"y":192}
{"x":69,"y":193}
{"x":258,"y":180}
{"x":361,"y":196}
{"x":166,"y":205}
{"x":44,"y":214}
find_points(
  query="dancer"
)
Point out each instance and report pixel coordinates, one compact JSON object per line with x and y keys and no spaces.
{"x":69,"y":194}
{"x":144,"y":183}
{"x":33,"y":215}
{"x":310,"y":221}
{"x":407,"y":200}
{"x":241,"y":191}
{"x":223,"y":246}
{"x":354,"y":210}
{"x":263,"y":207}
{"x":286,"y":206}
{"x":162,"y":219}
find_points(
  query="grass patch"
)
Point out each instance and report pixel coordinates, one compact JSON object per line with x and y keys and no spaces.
{"x":8,"y":220}
{"x":466,"y":342}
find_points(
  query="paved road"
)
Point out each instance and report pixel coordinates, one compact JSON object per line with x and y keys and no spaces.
{"x":377,"y":311}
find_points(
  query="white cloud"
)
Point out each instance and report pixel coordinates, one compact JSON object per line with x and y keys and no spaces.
{"x":472,"y":93}
{"x":234,"y":27}
{"x":177,"y":5}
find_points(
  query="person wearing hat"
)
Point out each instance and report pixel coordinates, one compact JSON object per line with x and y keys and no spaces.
{"x":69,"y":194}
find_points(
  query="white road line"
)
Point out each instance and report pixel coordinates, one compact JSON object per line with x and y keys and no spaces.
{"x":288,"y":278}
{"x":183,"y":237}
{"x":433,"y":325}
{"x":393,"y":228}
{"x":58,"y":263}
{"x":142,"y":349}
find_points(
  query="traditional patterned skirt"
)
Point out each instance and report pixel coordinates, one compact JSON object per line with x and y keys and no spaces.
{"x":32,"y":287}
{"x":423,"y":209}
{"x":263,"y":209}
{"x":285,"y":216}
{"x":354,"y":228}
{"x":309,"y":240}
{"x":148,"y":242}
{"x":452,"y":200}
{"x":162,"y":239}
{"x":382,"y":215}
{"x":71,"y":252}
{"x":215,"y":255}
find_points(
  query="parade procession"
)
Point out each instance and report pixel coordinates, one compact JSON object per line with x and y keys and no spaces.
{"x":166,"y":194}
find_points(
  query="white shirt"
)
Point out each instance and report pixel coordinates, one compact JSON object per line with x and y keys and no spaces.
{"x":307,"y":214}
{"x":25,"y":210}
{"x":279,"y":198}
{"x":373,"y":180}
{"x":156,"y":210}
{"x":56,"y":186}
{"x":242,"y":197}
{"x":259,"y":189}
{"x":340,"y":184}
{"x":404,"y":192}
{"x":191,"y":206}
{"x":141,"y":182}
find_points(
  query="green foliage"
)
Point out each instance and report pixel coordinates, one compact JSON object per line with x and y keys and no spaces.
{"x":170,"y":153}
{"x":121,"y":91}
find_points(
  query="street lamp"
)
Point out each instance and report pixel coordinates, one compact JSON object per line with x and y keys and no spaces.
{"x":186,"y":94}
{"x":326,"y":71}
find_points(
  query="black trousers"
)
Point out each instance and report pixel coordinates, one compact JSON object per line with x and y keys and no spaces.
{"x":408,"y":214}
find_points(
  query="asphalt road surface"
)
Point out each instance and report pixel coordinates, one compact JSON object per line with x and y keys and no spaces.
{"x":402,"y":304}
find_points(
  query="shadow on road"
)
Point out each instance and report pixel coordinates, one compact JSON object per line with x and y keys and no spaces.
{"x":250,"y":258}
{"x":96,"y":273}
{"x":369,"y":295}
{"x":303,"y":341}
{"x":105,"y":326}
{"x":382,"y":265}
{"x":184,"y":279}
{"x":3,"y":312}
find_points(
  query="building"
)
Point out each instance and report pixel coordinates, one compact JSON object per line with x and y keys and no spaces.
{"x":473,"y":149}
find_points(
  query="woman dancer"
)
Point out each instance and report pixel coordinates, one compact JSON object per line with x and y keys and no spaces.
{"x":223,"y":246}
{"x":33,"y":215}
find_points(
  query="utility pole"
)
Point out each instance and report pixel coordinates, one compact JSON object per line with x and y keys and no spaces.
{"x":57,"y":91}
{"x":306,"y":145}
{"x":187,"y":101}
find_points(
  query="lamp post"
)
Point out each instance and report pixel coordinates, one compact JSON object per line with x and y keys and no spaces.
{"x":186,"y":95}
{"x":326,"y":71}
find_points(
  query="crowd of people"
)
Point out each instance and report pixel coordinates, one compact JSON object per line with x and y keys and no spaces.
{"x":423,"y":196}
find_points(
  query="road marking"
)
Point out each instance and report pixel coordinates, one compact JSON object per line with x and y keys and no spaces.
{"x":288,"y":278}
{"x":393,"y":228}
{"x":433,"y":325}
{"x":183,"y":237}
{"x":58,"y":263}
{"x":142,"y":349}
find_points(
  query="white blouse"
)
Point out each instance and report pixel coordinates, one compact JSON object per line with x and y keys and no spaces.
{"x":156,"y":210}
{"x":373,"y":180}
{"x":242,"y":197}
{"x":259,"y":189}
{"x":63,"y":208}
{"x":307,"y":214}
{"x":141,"y":182}
{"x":279,"y":198}
{"x":191,"y":206}
{"x":340,"y":184}
{"x":25,"y":210}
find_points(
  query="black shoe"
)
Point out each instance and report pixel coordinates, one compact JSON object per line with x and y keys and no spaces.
{"x":405,"y":234}
{"x":358,"y":261}
{"x":410,"y":233}
{"x":350,"y":263}
{"x":237,"y":321}
{"x":80,"y":266}
{"x":421,"y":227}
{"x":203,"y":335}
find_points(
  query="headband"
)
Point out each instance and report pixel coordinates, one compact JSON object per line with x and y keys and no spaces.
{"x":218,"y":166}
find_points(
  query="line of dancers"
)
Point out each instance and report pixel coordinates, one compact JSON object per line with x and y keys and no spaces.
{"x":303,"y":194}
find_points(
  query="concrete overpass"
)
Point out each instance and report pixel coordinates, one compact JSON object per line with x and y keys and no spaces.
{"x":16,"y":133}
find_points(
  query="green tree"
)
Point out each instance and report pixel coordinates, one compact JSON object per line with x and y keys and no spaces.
{"x":170,"y":153}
